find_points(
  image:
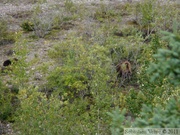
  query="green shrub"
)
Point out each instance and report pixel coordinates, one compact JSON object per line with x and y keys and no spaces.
{"x":150,"y":117}
{"x":18,"y":76}
{"x":14,"y":78}
{"x":152,"y":16}
{"x":147,"y":9}
{"x":70,"y":77}
{"x":119,"y":121}
{"x":78,"y":64}
{"x":70,"y":6}
{"x":163,"y":111}
{"x":8,"y":102}
{"x":27,"y":26}
{"x":160,"y":117}
{"x":81,"y":74}
{"x":5,"y":36}
{"x":5,"y":103}
{"x":37,"y":115}
{"x":134,"y":101}
{"x":104,"y":13}
{"x":40,"y":116}
{"x":169,"y":58}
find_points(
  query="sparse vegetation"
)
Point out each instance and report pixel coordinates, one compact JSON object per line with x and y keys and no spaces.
{"x":86,"y":68}
{"x":5,"y":35}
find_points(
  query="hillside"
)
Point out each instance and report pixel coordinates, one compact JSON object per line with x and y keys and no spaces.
{"x":88,"y":66}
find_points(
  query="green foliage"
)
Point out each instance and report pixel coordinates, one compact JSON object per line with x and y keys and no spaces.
{"x":38,"y":113}
{"x":166,"y":16}
{"x":160,"y":117}
{"x":128,"y":48}
{"x":148,"y":11}
{"x":27,"y":26}
{"x":5,"y":36}
{"x":134,"y":101}
{"x":129,"y":31}
{"x":81,"y":78}
{"x":40,"y":116}
{"x":18,"y":75}
{"x":119,"y":121}
{"x":70,"y":78}
{"x":105,"y":13}
{"x":70,"y":6}
{"x":8,"y":102}
{"x":42,"y":26}
{"x":17,"y":78}
{"x":153,"y":16}
{"x":151,"y":117}
{"x":83,"y":115}
{"x":5,"y":104}
{"x":170,"y":59}
{"x":164,"y":109}
{"x":81,"y":74}
{"x":79,"y":63}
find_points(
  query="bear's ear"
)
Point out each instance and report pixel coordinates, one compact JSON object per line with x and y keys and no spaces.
{"x":7,"y":63}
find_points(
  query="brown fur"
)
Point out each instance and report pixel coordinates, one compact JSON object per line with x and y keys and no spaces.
{"x":124,"y":70}
{"x":124,"y":73}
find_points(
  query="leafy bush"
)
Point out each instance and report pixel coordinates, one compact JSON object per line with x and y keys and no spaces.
{"x":153,"y":16}
{"x":78,"y":65}
{"x":38,"y":115}
{"x":70,"y":77}
{"x":147,"y":9}
{"x":79,"y":80}
{"x":14,"y":78}
{"x":8,"y":102}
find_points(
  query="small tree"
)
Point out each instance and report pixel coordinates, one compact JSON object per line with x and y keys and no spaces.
{"x":168,"y":60}
{"x":160,"y":117}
